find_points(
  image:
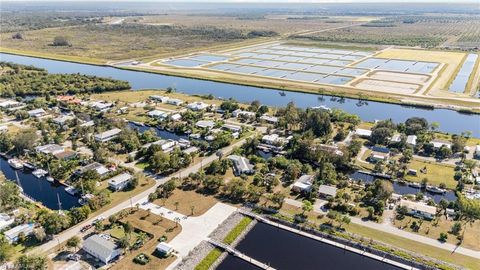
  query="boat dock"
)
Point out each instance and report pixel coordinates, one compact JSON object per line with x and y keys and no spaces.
{"x":327,"y":241}
{"x":239,"y":254}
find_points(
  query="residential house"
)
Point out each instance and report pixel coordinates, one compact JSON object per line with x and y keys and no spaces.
{"x":99,"y":168}
{"x":12,"y":234}
{"x":242,"y":113}
{"x":363,"y":132}
{"x":205,"y":124}
{"x":303,"y":184}
{"x":62,"y":119}
{"x":165,"y":145}
{"x":37,"y":113}
{"x":161,"y":99}
{"x":331,"y":149}
{"x":190,"y":150}
{"x":69,"y":99}
{"x":100,"y":106}
{"x":378,"y":156}
{"x":174,"y":101}
{"x":101,"y":248}
{"x":396,"y":138}
{"x":5,"y":221}
{"x":158,"y":114}
{"x":437,"y":144}
{"x":120,"y":181}
{"x":419,"y":209}
{"x":66,"y":155}
{"x":164,"y":248}
{"x":197,"y":106}
{"x":326,"y":191}
{"x":241,"y":165}
{"x":269,"y":119}
{"x":232,"y":128}
{"x":8,"y":104}
{"x":176,"y":117}
{"x":108,"y":135}
{"x":412,"y":140}
{"x":88,"y":124}
{"x":49,"y":149}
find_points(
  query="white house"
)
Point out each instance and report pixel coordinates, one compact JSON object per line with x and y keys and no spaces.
{"x":5,"y":221}
{"x":49,"y":149}
{"x":37,"y":113}
{"x":363,"y":132}
{"x":232,"y":128}
{"x":197,"y":106}
{"x":269,"y":119}
{"x":12,"y":234}
{"x":477,"y":151}
{"x":325,"y":191}
{"x":99,"y":168}
{"x":303,"y":184}
{"x":166,"y":145}
{"x":161,"y":99}
{"x":412,"y":140}
{"x":238,"y":113}
{"x":175,"y":101}
{"x":100,"y":106}
{"x":396,"y":138}
{"x":438,"y":144}
{"x":176,"y":116}
{"x":120,"y":181}
{"x":62,"y":119}
{"x":158,"y":114}
{"x":101,"y":248}
{"x":164,"y":248}
{"x":418,"y":209}
{"x":205,"y":124}
{"x":11,"y":104}
{"x":241,"y":165}
{"x":108,"y":135}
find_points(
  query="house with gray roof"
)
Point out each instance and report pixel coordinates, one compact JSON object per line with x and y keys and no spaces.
{"x":101,"y":248}
{"x":241,"y":165}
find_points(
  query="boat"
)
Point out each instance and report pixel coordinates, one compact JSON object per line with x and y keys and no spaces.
{"x":414,"y":185}
{"x":434,"y":189}
{"x":15,"y":163}
{"x":71,"y":190}
{"x":29,"y":166}
{"x":85,"y":199}
{"x":50,"y":179}
{"x":39,"y":173}
{"x":282,"y":93}
{"x":322,"y":107}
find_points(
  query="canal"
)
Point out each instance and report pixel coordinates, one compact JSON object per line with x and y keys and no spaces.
{"x":404,"y":189}
{"x":285,"y":250}
{"x":450,"y":121}
{"x":39,"y":189}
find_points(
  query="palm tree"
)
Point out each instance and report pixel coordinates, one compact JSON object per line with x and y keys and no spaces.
{"x":177,"y":220}
{"x":192,"y":208}
{"x":176,"y":205}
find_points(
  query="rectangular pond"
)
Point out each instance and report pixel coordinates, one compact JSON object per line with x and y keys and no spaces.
{"x":185,"y":62}
{"x":460,"y":83}
{"x":285,"y":250}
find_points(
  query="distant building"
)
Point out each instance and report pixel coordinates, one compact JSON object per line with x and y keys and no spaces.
{"x":419,"y":210}
{"x":205,"y":124}
{"x":99,"y":168}
{"x":108,"y":135}
{"x":241,"y":165}
{"x":101,"y":248}
{"x":437,"y":144}
{"x":176,"y":116}
{"x":363,"y":132}
{"x":165,"y":145}
{"x":5,"y":221}
{"x":325,"y":191}
{"x":412,"y":140}
{"x":120,"y":181}
{"x":69,"y":99}
{"x":175,"y":101}
{"x":158,"y":114}
{"x":9,"y":104}
{"x":239,"y":112}
{"x":62,"y":119}
{"x":190,"y":150}
{"x":197,"y":106}
{"x":49,"y":149}
{"x":161,"y":99}
{"x":37,"y":113}
{"x":12,"y":234}
{"x":303,"y":184}
{"x":396,"y":138}
{"x":476,"y":154}
{"x":331,"y":149}
{"x":101,"y":106}
{"x":164,"y":248}
{"x":66,"y":155}
{"x":232,"y":128}
{"x":378,"y":156}
{"x":269,"y":119}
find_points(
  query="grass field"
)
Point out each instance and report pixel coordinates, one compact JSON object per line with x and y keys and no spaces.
{"x":436,"y":173}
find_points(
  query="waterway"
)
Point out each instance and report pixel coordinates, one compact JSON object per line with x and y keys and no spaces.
{"x":164,"y":134}
{"x":450,"y":121}
{"x":403,"y":189}
{"x":460,"y":82}
{"x":39,"y":189}
{"x":285,"y":250}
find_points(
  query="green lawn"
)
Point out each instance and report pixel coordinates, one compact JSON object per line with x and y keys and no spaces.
{"x":235,"y":232}
{"x":436,"y":173}
{"x":209,"y":259}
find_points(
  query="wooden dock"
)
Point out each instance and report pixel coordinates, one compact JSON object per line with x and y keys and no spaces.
{"x":240,"y":255}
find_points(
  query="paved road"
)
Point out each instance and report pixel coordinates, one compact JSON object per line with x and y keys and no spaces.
{"x":388,"y":228}
{"x":75,"y":231}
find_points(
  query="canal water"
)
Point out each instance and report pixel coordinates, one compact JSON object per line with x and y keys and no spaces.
{"x":405,"y":189}
{"x":234,"y":263}
{"x":164,"y":134}
{"x":450,"y":121}
{"x":39,"y":189}
{"x":285,"y":250}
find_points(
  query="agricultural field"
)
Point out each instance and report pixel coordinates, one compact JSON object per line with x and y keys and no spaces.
{"x":427,"y":31}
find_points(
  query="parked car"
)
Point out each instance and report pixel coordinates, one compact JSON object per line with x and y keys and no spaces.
{"x":85,"y":228}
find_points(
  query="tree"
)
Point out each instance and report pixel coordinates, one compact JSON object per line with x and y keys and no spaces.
{"x":128,"y":228}
{"x":318,"y":121}
{"x":469,"y":210}
{"x":31,"y":262}
{"x":235,"y":189}
{"x":306,"y":207}
{"x":456,"y":228}
{"x":60,"y":41}
{"x":39,"y":234}
{"x":343,"y":220}
{"x":443,"y":237}
{"x":9,"y":194}
{"x":25,"y":140}
{"x":73,"y":242}
{"x":401,"y":212}
{"x":212,"y":183}
{"x":416,"y":125}
{"x":6,"y":250}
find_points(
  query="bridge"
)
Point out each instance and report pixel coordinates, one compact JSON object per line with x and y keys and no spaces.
{"x":240,"y":255}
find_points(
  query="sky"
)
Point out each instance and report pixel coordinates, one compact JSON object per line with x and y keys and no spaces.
{"x":266,"y":1}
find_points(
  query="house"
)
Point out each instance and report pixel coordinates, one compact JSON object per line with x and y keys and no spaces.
{"x":476,"y":154}
{"x":49,"y":149}
{"x":303,"y":184}
{"x":101,"y":106}
{"x":381,"y":149}
{"x":396,"y":138}
{"x":325,"y":191}
{"x":437,"y":144}
{"x":158,"y":114}
{"x":12,"y":234}
{"x":331,"y":149}
{"x":107,"y":135}
{"x":122,"y":110}
{"x":5,"y":221}
{"x":419,"y":209}
{"x":165,"y":145}
{"x":3,"y":128}
{"x":161,"y":99}
{"x":174,"y":101}
{"x":62,"y":119}
{"x":190,"y":150}
{"x":412,"y":140}
{"x":205,"y":124}
{"x":11,"y":105}
{"x":99,"y":168}
{"x":69,"y":99}
{"x":88,"y":124}
{"x":241,"y":165}
{"x":378,"y":156}
{"x":37,"y":113}
{"x":232,"y":128}
{"x":101,"y":248}
{"x":239,"y":112}
{"x":269,"y":119}
{"x":66,"y":155}
{"x":363,"y":132}
{"x":120,"y":181}
{"x":176,"y":116}
{"x":197,"y":106}
{"x":164,"y":248}
{"x":274,"y":139}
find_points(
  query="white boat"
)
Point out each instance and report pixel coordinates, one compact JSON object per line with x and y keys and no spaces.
{"x":415,"y":185}
{"x":15,"y":163}
{"x":39,"y":173}
{"x":50,"y":179}
{"x":85,"y":199}
{"x":434,"y":189}
{"x":71,"y":190}
{"x":322,"y":107}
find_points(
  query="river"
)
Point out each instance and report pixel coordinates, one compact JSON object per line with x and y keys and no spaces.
{"x":450,"y":121}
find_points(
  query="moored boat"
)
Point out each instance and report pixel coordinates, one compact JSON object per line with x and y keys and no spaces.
{"x":71,"y":190}
{"x":39,"y":173}
{"x":415,"y":185}
{"x":15,"y":163}
{"x":29,"y":166}
{"x":434,"y":189}
{"x":50,"y":179}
